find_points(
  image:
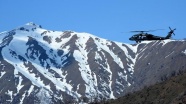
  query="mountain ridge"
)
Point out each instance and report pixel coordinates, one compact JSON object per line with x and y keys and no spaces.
{"x":57,"y":67}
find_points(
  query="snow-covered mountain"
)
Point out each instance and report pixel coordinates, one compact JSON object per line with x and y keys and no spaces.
{"x":43,"y":66}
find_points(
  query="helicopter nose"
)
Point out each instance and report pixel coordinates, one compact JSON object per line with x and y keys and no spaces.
{"x":131,"y":38}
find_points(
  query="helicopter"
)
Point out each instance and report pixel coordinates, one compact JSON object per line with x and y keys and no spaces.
{"x":143,"y":35}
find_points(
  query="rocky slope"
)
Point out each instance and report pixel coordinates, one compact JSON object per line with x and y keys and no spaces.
{"x":158,"y":61}
{"x":39,"y":65}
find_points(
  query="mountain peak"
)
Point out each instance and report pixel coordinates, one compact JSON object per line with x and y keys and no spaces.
{"x":33,"y":24}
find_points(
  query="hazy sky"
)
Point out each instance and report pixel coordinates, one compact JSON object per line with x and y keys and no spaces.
{"x":109,"y":19}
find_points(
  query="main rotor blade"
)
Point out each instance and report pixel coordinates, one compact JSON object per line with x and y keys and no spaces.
{"x":147,"y":31}
{"x":139,"y":31}
{"x":155,"y":30}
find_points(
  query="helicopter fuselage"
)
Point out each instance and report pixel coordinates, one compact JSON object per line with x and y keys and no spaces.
{"x":145,"y":36}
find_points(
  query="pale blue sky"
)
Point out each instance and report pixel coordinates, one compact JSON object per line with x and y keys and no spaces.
{"x":109,"y":19}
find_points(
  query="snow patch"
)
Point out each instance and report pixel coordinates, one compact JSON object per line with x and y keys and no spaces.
{"x":10,"y":93}
{"x":169,"y":54}
{"x":44,"y":96}
{"x":23,"y":97}
{"x":81,"y":55}
{"x":164,"y":42}
{"x":30,"y":89}
{"x":103,"y":45}
{"x":184,"y":52}
{"x":2,"y":73}
{"x":19,"y":86}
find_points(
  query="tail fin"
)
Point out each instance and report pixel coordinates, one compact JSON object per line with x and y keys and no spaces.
{"x":170,"y":33}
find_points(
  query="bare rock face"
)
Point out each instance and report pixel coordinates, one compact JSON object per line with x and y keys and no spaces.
{"x":158,"y":61}
{"x":39,"y":66}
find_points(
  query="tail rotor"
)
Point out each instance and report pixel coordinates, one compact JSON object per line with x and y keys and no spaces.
{"x":172,"y":30}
